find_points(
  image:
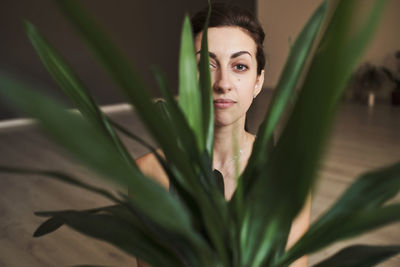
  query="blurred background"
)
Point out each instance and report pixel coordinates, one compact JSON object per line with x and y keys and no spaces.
{"x":366,"y":133}
{"x":148,"y":33}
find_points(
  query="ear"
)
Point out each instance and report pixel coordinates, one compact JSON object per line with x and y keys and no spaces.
{"x":259,"y":83}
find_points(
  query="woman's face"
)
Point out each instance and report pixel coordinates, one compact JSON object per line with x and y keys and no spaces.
{"x":233,"y":68}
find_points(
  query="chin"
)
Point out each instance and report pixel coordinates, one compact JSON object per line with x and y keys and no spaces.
{"x":222,"y":121}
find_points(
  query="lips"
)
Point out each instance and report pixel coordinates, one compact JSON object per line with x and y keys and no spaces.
{"x":223,"y":103}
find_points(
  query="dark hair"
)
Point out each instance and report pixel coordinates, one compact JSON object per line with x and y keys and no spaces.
{"x":226,"y":15}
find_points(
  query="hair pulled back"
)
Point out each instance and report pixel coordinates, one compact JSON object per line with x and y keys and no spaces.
{"x":232,"y":16}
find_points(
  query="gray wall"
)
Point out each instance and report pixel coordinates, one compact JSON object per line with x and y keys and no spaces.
{"x":148,"y":32}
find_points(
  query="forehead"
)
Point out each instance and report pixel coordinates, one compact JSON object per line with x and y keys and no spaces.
{"x":227,"y":40}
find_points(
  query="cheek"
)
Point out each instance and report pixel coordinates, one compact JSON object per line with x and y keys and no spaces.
{"x":246,"y":98}
{"x":246,"y":87}
{"x":246,"y":102}
{"x":212,"y":73}
{"x":246,"y":91}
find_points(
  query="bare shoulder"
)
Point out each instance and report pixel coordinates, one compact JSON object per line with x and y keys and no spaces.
{"x":150,"y":166}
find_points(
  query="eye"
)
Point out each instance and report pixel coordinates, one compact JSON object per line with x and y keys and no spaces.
{"x":241,"y":67}
{"x":213,"y":66}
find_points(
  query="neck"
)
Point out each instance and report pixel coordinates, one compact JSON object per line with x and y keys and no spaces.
{"x":228,"y":141}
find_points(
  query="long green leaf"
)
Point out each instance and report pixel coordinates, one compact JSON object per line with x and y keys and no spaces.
{"x":120,"y":234}
{"x":62,"y":73}
{"x":73,"y":86}
{"x":211,"y":203}
{"x":184,"y":134}
{"x":66,"y":178}
{"x":175,"y":118}
{"x":130,"y":82}
{"x":377,"y":186}
{"x":360,"y":256}
{"x":292,"y":71}
{"x":208,"y":127}
{"x":86,"y":143}
{"x":180,"y":180}
{"x":206,"y":90}
{"x":138,"y":95}
{"x":201,"y":161}
{"x":131,"y":135}
{"x":52,"y":224}
{"x":285,"y":88}
{"x":350,"y":225}
{"x":304,"y":136}
{"x":291,"y":169}
{"x":47,"y":227}
{"x":186,"y":138}
{"x":189,"y":92}
{"x":173,"y":243}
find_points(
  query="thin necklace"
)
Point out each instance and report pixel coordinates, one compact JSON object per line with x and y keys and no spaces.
{"x":238,"y":155}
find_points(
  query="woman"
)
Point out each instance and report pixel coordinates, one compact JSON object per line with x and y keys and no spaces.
{"x":235,"y":41}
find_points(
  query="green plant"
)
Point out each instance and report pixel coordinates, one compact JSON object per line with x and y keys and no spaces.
{"x":199,"y":227}
{"x":392,"y":78}
{"x":368,"y":77}
{"x":392,"y":75}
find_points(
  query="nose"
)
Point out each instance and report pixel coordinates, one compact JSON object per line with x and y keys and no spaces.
{"x":222,"y":83}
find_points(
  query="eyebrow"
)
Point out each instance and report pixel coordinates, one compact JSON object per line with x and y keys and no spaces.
{"x":234,"y":55}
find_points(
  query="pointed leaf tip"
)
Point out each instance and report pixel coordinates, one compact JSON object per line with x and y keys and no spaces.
{"x":47,"y":227}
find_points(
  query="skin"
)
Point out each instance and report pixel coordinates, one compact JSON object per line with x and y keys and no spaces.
{"x":235,"y":83}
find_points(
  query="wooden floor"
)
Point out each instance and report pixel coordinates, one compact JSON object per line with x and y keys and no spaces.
{"x":362,"y":139}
